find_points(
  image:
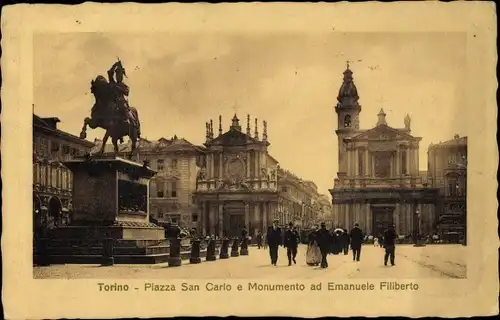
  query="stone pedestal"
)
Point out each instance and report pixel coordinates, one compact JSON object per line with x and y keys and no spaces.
{"x":244,"y":247}
{"x":224,"y":249}
{"x":234,"y":248}
{"x":110,"y":201}
{"x":195,"y":252}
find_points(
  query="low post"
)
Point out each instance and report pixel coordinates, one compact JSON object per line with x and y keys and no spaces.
{"x":174,"y":260}
{"x":244,"y":247}
{"x":211,"y":250}
{"x":107,"y":255}
{"x":43,"y":252}
{"x":195,"y":252}
{"x":224,"y":249}
{"x":234,"y":248}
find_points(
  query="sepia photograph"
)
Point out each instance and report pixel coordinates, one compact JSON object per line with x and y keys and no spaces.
{"x":236,"y":156}
{"x":251,"y":159}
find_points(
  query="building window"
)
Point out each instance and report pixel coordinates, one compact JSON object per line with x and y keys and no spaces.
{"x":160,"y":187}
{"x":65,"y":149}
{"x":404,"y":170}
{"x":453,"y":186}
{"x":195,"y":218}
{"x":160,"y":165}
{"x":452,"y":159}
{"x":382,"y":165}
{"x":173,"y":164}
{"x":173,"y":189}
{"x":193,"y":200}
{"x":217,"y":166}
{"x":284,"y":189}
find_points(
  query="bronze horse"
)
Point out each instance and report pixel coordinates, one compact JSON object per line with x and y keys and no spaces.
{"x":106,"y":114}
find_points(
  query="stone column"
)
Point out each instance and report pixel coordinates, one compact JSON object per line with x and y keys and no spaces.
{"x":367,"y":163}
{"x":415,"y":155}
{"x":221,"y":165}
{"x":370,"y":220}
{"x":356,"y":162}
{"x":220,"y":218}
{"x":349,"y":160}
{"x":367,"y":226}
{"x":398,"y":160}
{"x":408,"y":155}
{"x":397,"y":215}
{"x":248,"y":165}
{"x":373,"y":166}
{"x":212,"y":218}
{"x":264,"y":216}
{"x":247,"y":217}
{"x":203,"y":217}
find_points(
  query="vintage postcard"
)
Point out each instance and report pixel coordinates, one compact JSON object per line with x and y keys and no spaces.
{"x":285,"y":159}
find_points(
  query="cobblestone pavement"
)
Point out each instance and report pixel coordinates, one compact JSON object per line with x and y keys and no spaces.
{"x":432,"y":261}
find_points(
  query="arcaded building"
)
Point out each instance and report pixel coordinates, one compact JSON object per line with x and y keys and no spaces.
{"x":378,"y":181}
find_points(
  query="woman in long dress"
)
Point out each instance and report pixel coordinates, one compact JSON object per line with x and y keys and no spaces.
{"x":313,"y":254}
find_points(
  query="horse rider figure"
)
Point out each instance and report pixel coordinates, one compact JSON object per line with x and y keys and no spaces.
{"x":120,"y":91}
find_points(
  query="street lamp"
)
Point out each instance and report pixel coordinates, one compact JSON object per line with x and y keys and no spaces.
{"x":418,"y":229}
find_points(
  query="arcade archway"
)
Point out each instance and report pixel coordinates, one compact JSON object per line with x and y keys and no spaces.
{"x":55,"y":210}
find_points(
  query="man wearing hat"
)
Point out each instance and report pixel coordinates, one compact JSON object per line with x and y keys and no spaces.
{"x":356,"y":238}
{"x":274,"y":240}
{"x":324,"y":239}
{"x":390,"y":237}
{"x":291,"y":243}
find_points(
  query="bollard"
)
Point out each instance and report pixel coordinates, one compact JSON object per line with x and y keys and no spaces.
{"x":43,"y":252}
{"x":195,"y":252}
{"x":107,"y":254}
{"x":244,"y":247}
{"x":234,"y":248}
{"x":211,"y":250}
{"x":224,"y":249}
{"x":174,"y":260}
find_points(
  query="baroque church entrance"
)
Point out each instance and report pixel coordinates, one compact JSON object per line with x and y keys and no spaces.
{"x":383,"y":216}
{"x":235,"y":218}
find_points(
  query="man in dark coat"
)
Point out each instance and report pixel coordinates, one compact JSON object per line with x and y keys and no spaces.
{"x":274,"y":240}
{"x":390,"y":237}
{"x":259,"y":240}
{"x":346,"y":242}
{"x":356,"y":237}
{"x":291,"y":243}
{"x":324,"y":239}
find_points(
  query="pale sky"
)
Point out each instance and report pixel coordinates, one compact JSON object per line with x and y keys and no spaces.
{"x":179,"y":81}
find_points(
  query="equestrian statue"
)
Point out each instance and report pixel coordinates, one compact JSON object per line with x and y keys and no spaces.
{"x":112,"y":111}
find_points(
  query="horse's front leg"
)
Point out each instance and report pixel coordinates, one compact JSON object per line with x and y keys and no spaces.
{"x":115,"y":145}
{"x":104,"y":141}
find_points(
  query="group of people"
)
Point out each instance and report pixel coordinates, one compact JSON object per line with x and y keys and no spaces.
{"x":322,"y":242}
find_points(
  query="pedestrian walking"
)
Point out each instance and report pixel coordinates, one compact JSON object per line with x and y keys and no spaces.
{"x":324,"y":239}
{"x":274,"y":240}
{"x":259,"y":240}
{"x":291,"y":243}
{"x":356,"y":236}
{"x":346,"y":242}
{"x":313,"y":253}
{"x":390,"y":237}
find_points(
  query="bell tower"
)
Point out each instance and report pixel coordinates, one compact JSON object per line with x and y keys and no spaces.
{"x":348,"y":110}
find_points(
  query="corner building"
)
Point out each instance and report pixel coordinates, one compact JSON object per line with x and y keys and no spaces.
{"x":378,"y":182}
{"x":236,"y":186}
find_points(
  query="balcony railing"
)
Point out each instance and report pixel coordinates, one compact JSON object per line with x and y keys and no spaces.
{"x":369,"y":182}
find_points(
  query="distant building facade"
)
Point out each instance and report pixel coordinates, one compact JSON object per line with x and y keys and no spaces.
{"x":299,"y":201}
{"x":52,"y":181}
{"x":172,"y":188}
{"x":378,"y":182}
{"x":447,"y":171}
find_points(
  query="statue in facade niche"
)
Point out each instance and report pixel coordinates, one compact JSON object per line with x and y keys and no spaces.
{"x":407,"y":122}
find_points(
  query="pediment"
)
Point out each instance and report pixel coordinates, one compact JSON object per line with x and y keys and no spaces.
{"x":232,"y":138}
{"x":383,"y":133}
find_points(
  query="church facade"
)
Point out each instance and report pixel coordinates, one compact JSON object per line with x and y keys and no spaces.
{"x":237,"y":184}
{"x":378,"y":181}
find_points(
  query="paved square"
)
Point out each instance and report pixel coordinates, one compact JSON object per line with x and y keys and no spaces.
{"x":432,"y":261}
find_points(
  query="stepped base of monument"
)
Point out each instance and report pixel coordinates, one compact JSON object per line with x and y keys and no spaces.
{"x":133,"y":242}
